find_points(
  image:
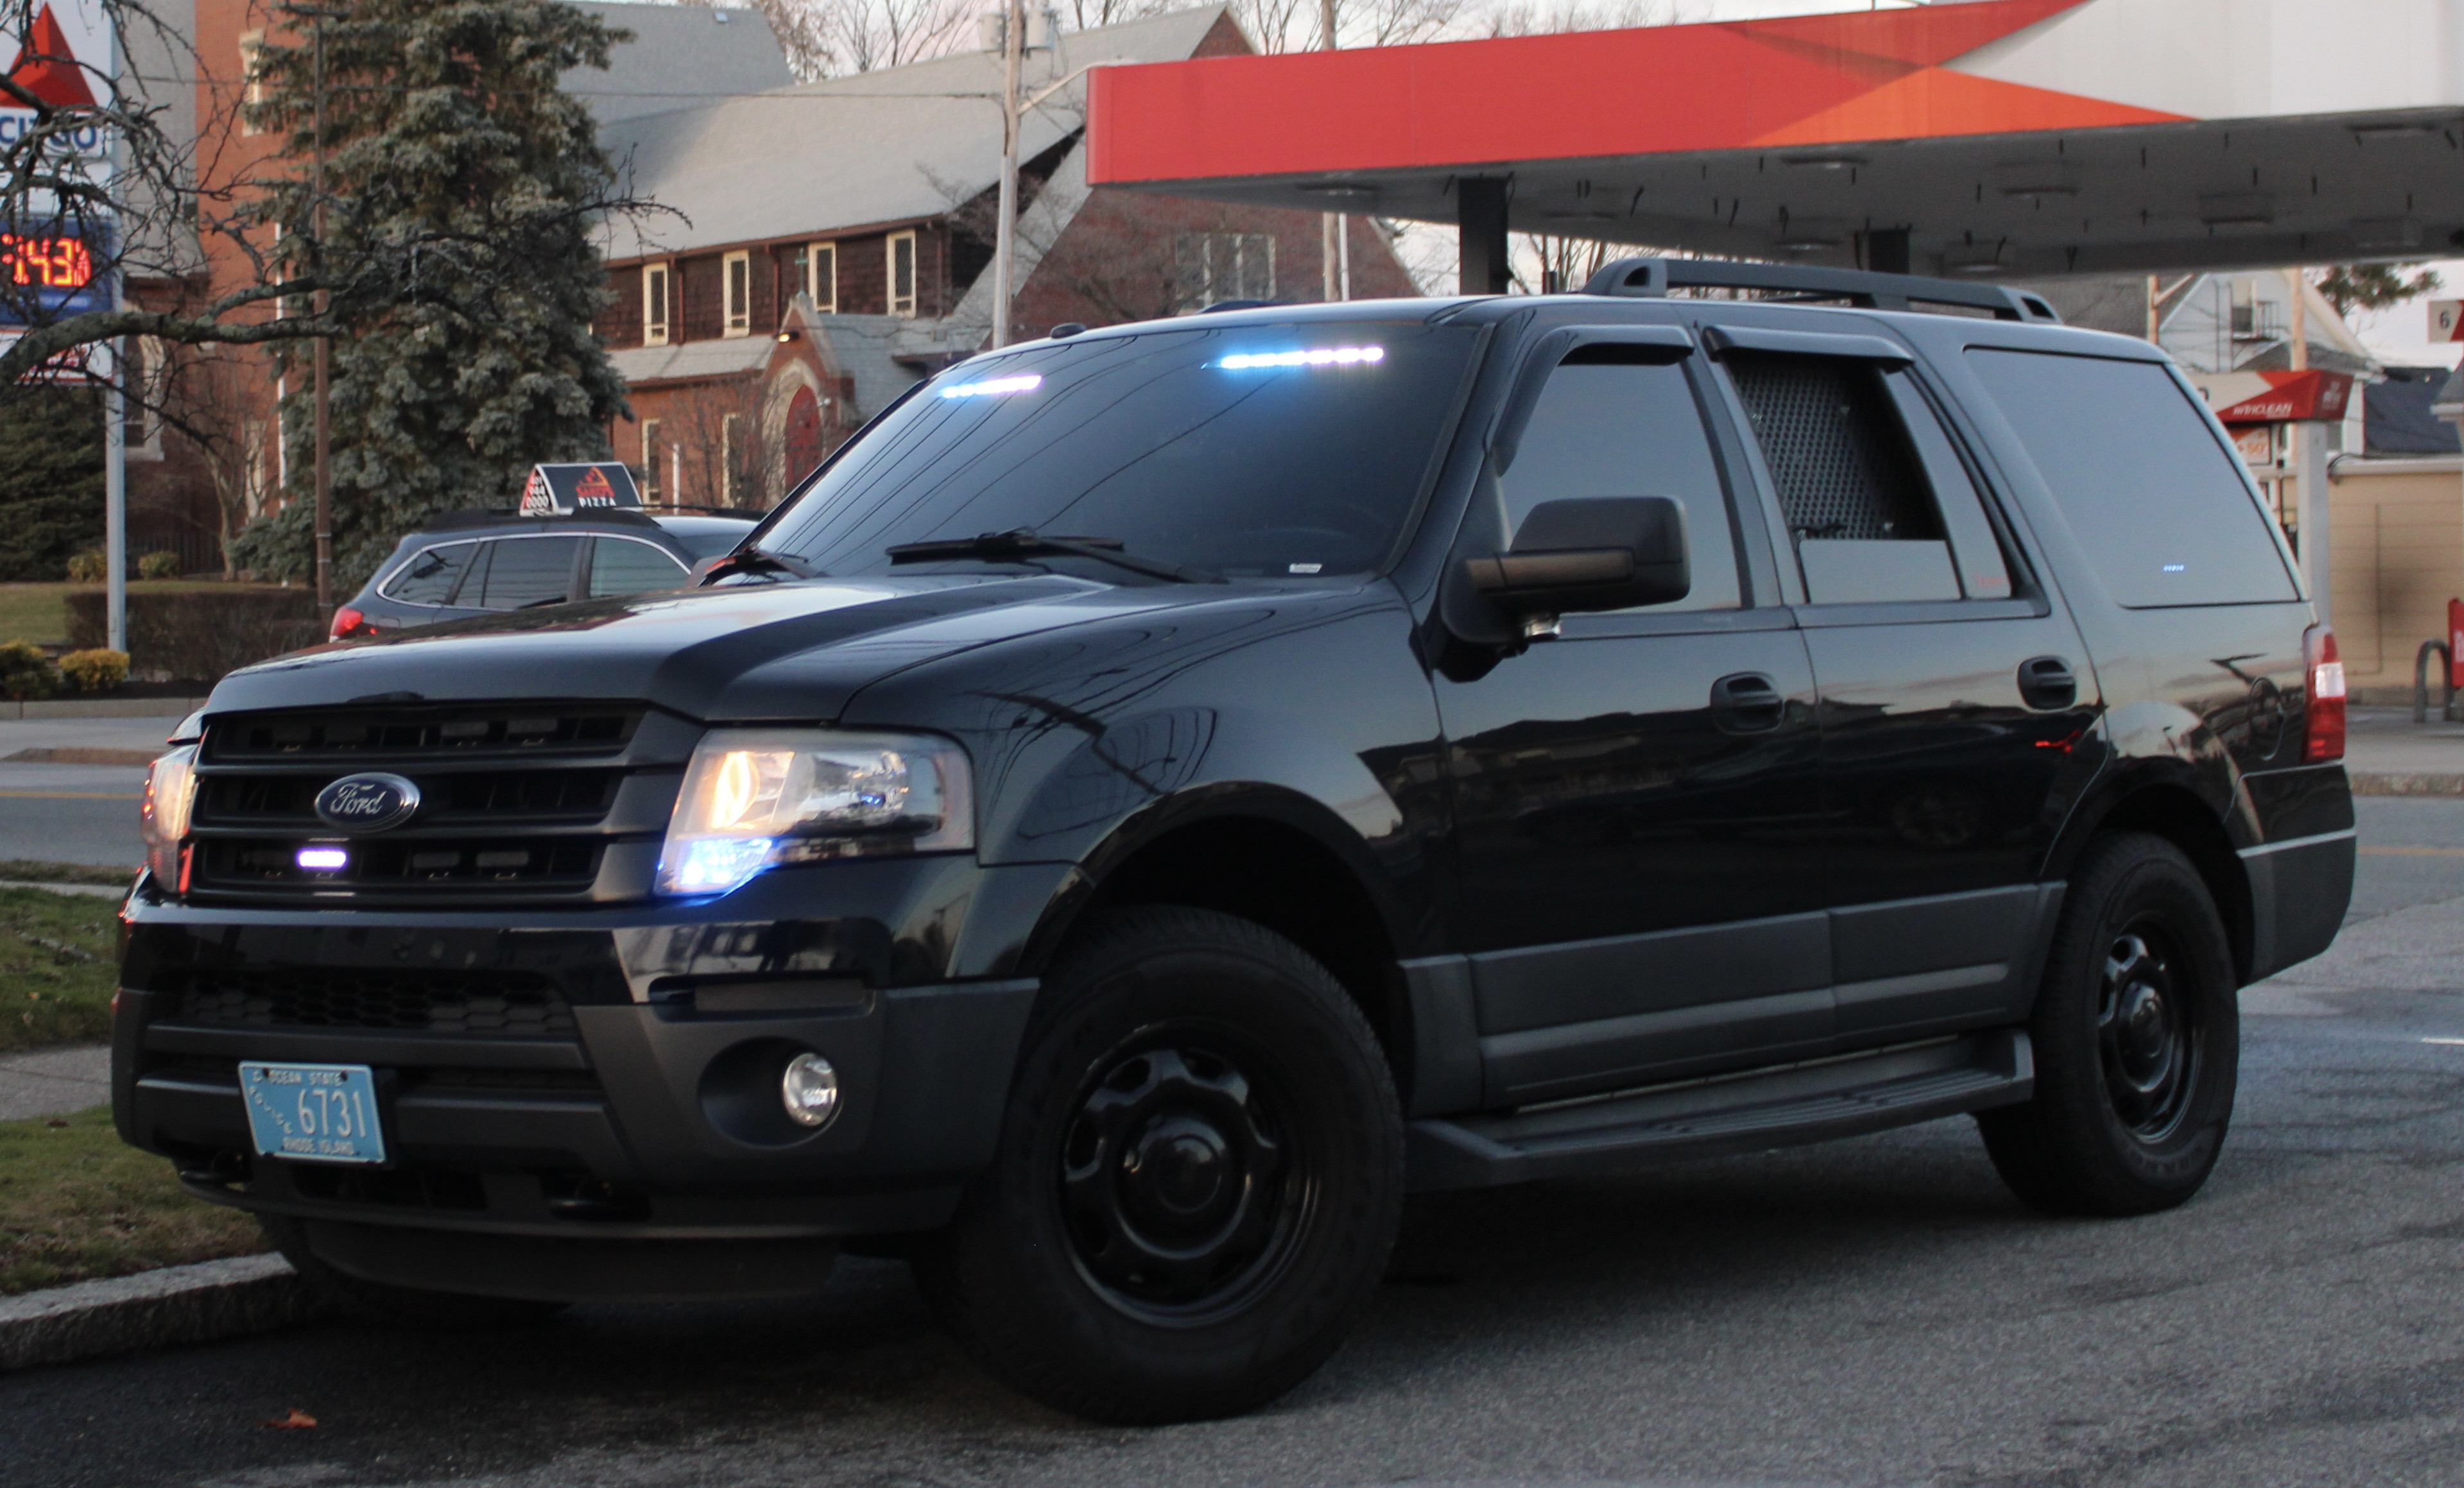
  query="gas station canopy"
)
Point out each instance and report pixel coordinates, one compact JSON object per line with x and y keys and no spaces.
{"x":2022,"y":137}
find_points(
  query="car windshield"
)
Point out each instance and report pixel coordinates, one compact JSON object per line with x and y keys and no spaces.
{"x":1240,"y":450}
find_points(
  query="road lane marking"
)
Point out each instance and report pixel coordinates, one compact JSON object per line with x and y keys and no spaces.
{"x":2443,"y":1040}
{"x":70,"y":796}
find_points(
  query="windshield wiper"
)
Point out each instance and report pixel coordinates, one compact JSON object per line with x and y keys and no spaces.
{"x":1026,"y":542}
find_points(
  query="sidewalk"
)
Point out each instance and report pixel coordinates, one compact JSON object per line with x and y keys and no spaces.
{"x":2389,"y":754}
{"x":54,"y":1081}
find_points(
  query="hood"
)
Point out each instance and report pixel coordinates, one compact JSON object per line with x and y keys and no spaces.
{"x":751,"y":652}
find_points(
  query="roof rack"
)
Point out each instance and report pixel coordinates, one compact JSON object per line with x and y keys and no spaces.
{"x":1652,"y":278}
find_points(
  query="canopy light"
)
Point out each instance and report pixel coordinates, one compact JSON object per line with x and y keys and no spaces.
{"x":1314,"y":357}
{"x":995,"y":386}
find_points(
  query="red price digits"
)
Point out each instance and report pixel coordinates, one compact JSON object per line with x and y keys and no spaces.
{"x":54,"y":263}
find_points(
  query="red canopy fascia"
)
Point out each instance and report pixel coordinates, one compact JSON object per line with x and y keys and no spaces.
{"x":1805,"y":81}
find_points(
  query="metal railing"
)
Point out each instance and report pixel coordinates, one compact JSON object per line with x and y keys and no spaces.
{"x":2421,"y":681}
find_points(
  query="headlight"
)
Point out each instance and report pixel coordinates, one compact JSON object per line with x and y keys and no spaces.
{"x":171,"y":791}
{"x":756,"y":797}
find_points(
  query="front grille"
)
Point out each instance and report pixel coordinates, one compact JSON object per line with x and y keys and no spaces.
{"x":503,"y":1004}
{"x":402,"y":865}
{"x":446,"y":798}
{"x":353,"y":736}
{"x":410,"y":1185}
{"x":518,"y":800}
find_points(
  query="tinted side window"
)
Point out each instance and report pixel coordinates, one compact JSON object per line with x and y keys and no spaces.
{"x":526,"y":571}
{"x":620,"y":565}
{"x":1852,"y":485}
{"x":1623,"y":429}
{"x":429,"y":577}
{"x":2156,"y":499}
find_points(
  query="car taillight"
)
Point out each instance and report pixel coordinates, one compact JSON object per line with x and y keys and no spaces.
{"x":349,"y":622}
{"x":2323,"y":675}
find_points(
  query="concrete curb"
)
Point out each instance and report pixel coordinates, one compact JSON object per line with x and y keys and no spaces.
{"x":153,"y":1309}
{"x":2372,"y":782}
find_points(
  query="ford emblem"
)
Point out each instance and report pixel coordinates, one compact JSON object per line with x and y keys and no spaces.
{"x":367,"y":803}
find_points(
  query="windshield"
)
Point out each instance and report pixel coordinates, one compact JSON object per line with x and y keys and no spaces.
{"x":1245,"y":450}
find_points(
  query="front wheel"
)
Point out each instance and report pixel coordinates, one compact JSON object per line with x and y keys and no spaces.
{"x":1199,"y":1178}
{"x":2137,"y":1036}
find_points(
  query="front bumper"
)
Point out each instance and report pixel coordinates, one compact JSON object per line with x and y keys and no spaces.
{"x":643,"y":1105}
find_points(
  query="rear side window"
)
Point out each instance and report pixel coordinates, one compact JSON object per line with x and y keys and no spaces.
{"x":1605,"y":427}
{"x":429,"y":577}
{"x":620,"y":565}
{"x":2156,"y":499}
{"x":1878,"y":505}
{"x":525,"y":571}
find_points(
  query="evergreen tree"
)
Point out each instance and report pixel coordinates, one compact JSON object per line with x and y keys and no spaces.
{"x":2351,"y":287}
{"x":445,"y":126}
{"x":51,"y":481}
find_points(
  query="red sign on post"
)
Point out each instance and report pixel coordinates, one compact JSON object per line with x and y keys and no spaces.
{"x":2455,"y":644}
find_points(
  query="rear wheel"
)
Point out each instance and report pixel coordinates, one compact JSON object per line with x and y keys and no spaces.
{"x":2136,"y":1038}
{"x":387,"y":1305}
{"x":1199,"y":1178}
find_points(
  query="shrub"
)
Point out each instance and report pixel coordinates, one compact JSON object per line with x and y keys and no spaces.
{"x":159,"y":565}
{"x":196,"y":635}
{"x":88,"y":567}
{"x":93,"y":670}
{"x":24,"y":672}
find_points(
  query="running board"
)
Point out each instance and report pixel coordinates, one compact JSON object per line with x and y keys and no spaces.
{"x":1737,"y":1113}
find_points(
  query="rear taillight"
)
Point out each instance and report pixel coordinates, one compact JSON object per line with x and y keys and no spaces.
{"x":2323,"y":675}
{"x":349,"y":622}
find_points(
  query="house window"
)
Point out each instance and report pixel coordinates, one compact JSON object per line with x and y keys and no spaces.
{"x":902,"y":274}
{"x":1219,"y":266}
{"x":649,"y":459}
{"x":731,"y":453}
{"x":253,"y":88}
{"x":654,"y":303}
{"x":821,"y":277}
{"x":737,"y":271}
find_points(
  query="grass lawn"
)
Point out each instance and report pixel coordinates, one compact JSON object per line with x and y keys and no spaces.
{"x":40,"y":612}
{"x":76,"y":1204}
{"x":58,"y":956}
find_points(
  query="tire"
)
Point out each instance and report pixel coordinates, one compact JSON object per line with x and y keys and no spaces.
{"x":2136,"y":1035}
{"x":397,"y":1307}
{"x":1199,"y":1178}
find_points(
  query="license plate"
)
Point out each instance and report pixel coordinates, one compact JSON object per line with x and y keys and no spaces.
{"x":317,"y":1113}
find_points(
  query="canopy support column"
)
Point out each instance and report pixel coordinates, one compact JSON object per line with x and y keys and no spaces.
{"x":1480,"y":207}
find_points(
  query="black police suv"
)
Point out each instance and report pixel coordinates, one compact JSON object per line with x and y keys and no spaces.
{"x":1156,"y":797}
{"x":464,"y":564}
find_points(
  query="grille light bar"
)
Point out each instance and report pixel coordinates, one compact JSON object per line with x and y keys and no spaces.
{"x":323,"y":860}
{"x":1314,"y":356}
{"x":994,"y":386}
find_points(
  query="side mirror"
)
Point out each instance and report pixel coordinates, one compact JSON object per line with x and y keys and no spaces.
{"x":1600,"y":553}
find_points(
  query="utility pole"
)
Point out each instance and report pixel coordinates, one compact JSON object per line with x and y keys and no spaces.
{"x":1334,"y":249}
{"x":1005,"y":232}
{"x":317,"y":233}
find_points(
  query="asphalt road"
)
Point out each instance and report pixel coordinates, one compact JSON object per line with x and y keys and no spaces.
{"x":1871,"y":1312}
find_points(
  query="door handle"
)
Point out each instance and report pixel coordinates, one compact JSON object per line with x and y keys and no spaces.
{"x":2046,"y":683}
{"x":1746,"y":702}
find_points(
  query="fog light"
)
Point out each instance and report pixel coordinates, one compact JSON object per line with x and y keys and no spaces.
{"x":809,"y":1089}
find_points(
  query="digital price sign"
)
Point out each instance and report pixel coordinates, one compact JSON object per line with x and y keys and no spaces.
{"x":51,"y":274}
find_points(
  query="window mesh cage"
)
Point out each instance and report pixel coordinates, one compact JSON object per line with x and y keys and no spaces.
{"x":1835,"y":448}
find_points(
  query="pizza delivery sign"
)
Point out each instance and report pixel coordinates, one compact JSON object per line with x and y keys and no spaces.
{"x":557,"y":490}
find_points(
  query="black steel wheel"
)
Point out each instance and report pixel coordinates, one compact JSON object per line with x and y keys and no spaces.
{"x":2136,"y":1035}
{"x":1197,"y":1183}
{"x":1181,"y":1195}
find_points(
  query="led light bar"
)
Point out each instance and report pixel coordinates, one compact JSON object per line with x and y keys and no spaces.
{"x":1314,"y":357}
{"x":994,"y":386}
{"x":323,"y":860}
